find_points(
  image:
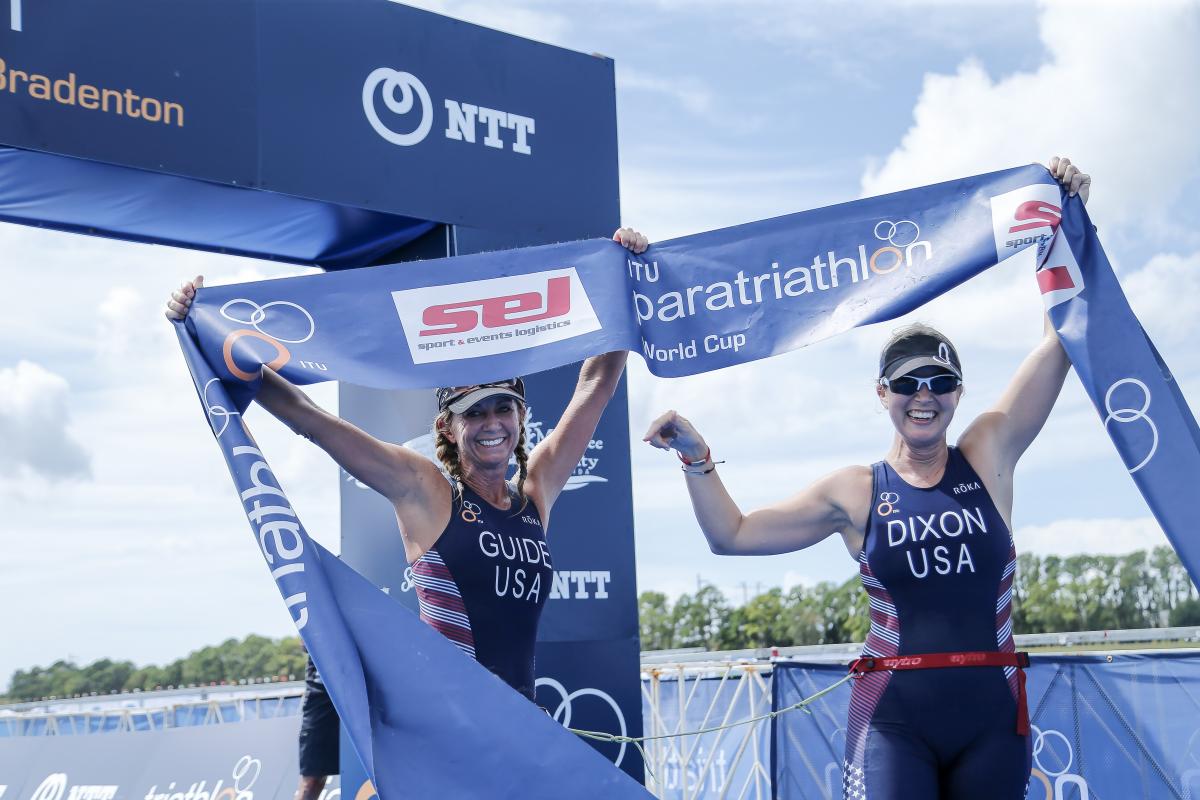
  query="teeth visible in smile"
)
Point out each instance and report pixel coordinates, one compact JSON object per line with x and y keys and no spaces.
{"x":491,"y":442}
{"x":922,"y":414}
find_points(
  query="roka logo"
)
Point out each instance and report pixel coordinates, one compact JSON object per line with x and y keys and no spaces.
{"x":408,"y":101}
{"x":498,"y":315}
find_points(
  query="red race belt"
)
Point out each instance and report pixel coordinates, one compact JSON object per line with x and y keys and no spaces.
{"x":1020,"y":661}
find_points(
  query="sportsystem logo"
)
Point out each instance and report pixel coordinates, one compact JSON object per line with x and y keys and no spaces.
{"x":499,"y":315}
{"x":1029,"y":218}
{"x":1024,"y":217}
{"x":405,"y":96}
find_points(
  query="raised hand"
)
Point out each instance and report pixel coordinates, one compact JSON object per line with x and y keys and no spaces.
{"x":671,"y":431}
{"x":1067,"y":174}
{"x":180,"y":302}
{"x":631,"y":240}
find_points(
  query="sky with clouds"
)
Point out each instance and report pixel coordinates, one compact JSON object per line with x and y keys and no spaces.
{"x":120,"y":535}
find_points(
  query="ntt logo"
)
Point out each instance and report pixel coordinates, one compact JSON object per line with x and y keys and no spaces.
{"x":398,"y":107}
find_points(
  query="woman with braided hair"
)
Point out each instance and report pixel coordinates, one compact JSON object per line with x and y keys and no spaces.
{"x":476,"y":542}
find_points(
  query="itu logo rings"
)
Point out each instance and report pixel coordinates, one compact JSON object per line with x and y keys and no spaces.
{"x":274,"y":323}
{"x":562,"y":713}
{"x":216,"y":411}
{"x":278,"y":322}
{"x":471,"y":512}
{"x":897,"y":234}
{"x":887,"y":504}
{"x":1053,"y":758}
{"x":411,"y":89}
{"x":1127,"y":414}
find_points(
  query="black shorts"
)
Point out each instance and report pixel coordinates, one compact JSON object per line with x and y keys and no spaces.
{"x":319,"y":726}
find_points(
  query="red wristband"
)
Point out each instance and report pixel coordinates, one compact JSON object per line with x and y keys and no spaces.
{"x":707,"y":455}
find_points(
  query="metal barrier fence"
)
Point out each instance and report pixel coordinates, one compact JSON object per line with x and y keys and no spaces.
{"x":724,"y":762}
{"x":120,"y":720}
{"x":692,"y":702}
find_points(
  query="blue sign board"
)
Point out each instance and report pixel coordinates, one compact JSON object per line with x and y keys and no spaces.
{"x":360,"y":103}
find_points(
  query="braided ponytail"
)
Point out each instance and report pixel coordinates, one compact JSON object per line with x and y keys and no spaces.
{"x":447,"y":451}
{"x":522,"y":464}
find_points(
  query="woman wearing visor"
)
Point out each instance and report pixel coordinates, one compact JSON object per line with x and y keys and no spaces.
{"x":466,"y":524}
{"x":938,"y":708}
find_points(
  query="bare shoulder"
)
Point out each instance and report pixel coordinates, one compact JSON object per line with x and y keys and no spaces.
{"x":849,"y":482}
{"x":979,"y":444}
{"x":424,"y":512}
{"x":849,"y":491}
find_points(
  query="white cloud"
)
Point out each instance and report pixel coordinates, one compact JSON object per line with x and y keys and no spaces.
{"x":1166,"y":295}
{"x":1130,"y":121}
{"x":35,"y":425}
{"x":1067,"y":537}
{"x":532,"y":23}
{"x":687,"y":93}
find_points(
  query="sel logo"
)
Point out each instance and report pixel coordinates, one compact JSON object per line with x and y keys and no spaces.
{"x":499,"y":315}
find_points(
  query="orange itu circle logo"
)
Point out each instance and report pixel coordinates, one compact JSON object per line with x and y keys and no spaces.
{"x":275,"y":323}
{"x":887,"y":504}
{"x":471,"y":512}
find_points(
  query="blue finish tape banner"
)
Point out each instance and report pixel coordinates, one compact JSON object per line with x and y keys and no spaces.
{"x":689,"y":305}
{"x":1125,"y":727}
{"x":725,"y":297}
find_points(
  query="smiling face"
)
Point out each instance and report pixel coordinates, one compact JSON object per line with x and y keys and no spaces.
{"x":923,"y":418}
{"x":486,"y":433}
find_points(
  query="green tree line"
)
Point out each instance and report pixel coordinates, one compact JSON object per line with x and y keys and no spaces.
{"x":231,"y":661}
{"x":1050,"y":594}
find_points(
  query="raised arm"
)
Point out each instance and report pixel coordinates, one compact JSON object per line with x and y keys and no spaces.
{"x":1001,"y":435}
{"x":397,"y":473}
{"x":836,"y":503}
{"x":402,"y":476}
{"x":555,"y":458}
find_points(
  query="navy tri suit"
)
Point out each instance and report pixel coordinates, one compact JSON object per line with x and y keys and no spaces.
{"x":938,"y":565}
{"x":484,"y":584}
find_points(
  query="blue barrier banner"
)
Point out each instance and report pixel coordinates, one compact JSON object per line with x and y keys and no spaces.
{"x":688,"y":305}
{"x":255,"y":760}
{"x":717,"y":763}
{"x":1102,"y":726}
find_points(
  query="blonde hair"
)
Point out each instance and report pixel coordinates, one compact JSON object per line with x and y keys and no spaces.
{"x":447,"y":453}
